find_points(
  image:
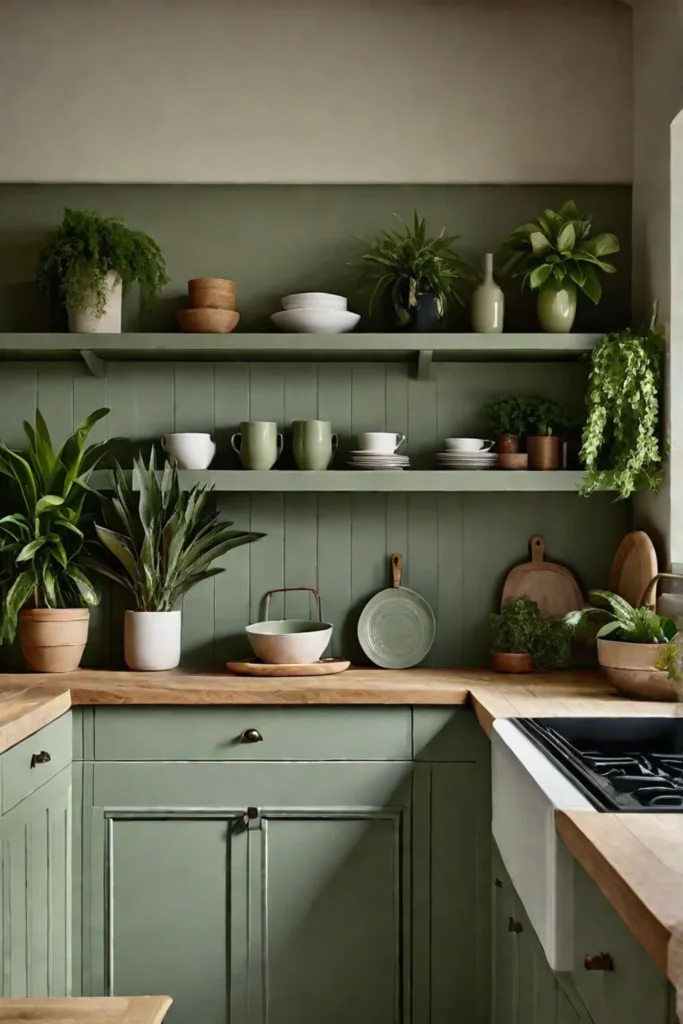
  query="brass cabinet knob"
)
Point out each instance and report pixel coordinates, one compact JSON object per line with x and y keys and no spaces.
{"x":515,"y":926}
{"x":42,"y":758}
{"x":251,"y":736}
{"x":598,"y":962}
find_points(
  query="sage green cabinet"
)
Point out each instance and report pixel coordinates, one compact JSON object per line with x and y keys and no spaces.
{"x":35,"y":855}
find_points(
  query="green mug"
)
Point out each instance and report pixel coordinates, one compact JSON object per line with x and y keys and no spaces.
{"x":314,"y":443}
{"x":258,"y":444}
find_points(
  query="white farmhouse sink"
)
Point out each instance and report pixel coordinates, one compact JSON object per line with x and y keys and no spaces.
{"x":527,"y":789}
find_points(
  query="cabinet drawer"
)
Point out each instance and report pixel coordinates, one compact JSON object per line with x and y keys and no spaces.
{"x":23,"y":769}
{"x":218,"y":734}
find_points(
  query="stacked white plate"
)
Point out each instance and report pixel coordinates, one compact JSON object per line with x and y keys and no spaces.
{"x":466,"y":460}
{"x":315,"y":313}
{"x":377,"y":460}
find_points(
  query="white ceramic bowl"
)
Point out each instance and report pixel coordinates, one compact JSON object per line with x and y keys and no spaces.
{"x":314,"y":300}
{"x":467,"y":444}
{"x":289,"y":641}
{"x":315,"y":321}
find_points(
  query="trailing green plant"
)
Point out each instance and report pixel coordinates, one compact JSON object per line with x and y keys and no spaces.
{"x":621,"y":448}
{"x":81,"y":251}
{"x":164,"y":540}
{"x":623,"y":622}
{"x":406,"y":262}
{"x":507,"y":415}
{"x":520,"y":628}
{"x":43,"y":541}
{"x":544,"y":416}
{"x":558,"y":245}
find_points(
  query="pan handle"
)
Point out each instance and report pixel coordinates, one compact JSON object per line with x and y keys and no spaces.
{"x":287,"y":590}
{"x":396,"y":569}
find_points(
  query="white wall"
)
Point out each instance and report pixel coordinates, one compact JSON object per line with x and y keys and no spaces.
{"x":321,"y":91}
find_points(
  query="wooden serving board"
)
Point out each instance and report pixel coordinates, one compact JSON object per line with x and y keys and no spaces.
{"x":634,"y":568}
{"x":252,"y":667}
{"x":551,"y":586}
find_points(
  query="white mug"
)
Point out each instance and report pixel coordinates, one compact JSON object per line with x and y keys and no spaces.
{"x":383,"y":443}
{"x":189,"y":451}
{"x":468,"y":444}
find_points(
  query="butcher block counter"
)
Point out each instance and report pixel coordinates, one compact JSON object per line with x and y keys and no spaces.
{"x":101,"y":1010}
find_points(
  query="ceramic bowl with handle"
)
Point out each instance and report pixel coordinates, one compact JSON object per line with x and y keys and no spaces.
{"x":290,"y":641}
{"x":189,"y":451}
{"x":467,"y":444}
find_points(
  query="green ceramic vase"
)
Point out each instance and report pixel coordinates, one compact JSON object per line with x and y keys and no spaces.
{"x":557,"y":306}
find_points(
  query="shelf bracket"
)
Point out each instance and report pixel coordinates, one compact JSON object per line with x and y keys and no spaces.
{"x":424,"y":364}
{"x":96,"y":365}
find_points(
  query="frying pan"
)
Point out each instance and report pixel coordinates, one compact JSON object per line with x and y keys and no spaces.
{"x":396,"y":628}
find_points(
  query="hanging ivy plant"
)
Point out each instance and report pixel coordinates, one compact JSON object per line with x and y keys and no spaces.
{"x":621,"y":447}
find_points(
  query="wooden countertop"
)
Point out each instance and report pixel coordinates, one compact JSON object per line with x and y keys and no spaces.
{"x":85,"y":1010}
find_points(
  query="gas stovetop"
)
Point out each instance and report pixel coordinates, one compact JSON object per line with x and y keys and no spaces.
{"x":619,"y":764}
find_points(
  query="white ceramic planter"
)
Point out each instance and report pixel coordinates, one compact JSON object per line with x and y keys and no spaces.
{"x":110,"y":322}
{"x":151,"y":640}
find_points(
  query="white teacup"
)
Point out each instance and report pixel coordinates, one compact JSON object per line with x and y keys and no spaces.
{"x":468,"y":444}
{"x":189,"y":451}
{"x":382,"y":443}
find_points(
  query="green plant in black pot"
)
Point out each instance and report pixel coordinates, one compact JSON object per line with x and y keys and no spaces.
{"x":507,"y":420}
{"x":423,"y":276}
{"x":91,"y":261}
{"x":545,"y":418}
{"x":521,"y":639}
{"x":555,"y":255}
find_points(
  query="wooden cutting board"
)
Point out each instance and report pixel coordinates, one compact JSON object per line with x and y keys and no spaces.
{"x":551,"y":586}
{"x":252,"y":667}
{"x":634,"y":567}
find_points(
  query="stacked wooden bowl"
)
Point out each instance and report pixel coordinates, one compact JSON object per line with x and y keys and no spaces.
{"x":212,"y":307}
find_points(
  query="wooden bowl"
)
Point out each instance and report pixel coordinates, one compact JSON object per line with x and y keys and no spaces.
{"x":503,"y":662}
{"x":208,"y":321}
{"x":212,"y":293}
{"x":512,"y":460}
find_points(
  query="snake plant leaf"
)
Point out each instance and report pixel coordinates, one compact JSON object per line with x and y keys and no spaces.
{"x":621,"y":608}
{"x":18,"y":594}
{"x":30,"y":549}
{"x":119,"y":547}
{"x":17,"y":468}
{"x":48,"y":501}
{"x":89,"y":593}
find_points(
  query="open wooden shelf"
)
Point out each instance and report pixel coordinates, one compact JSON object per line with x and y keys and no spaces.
{"x":99,"y":349}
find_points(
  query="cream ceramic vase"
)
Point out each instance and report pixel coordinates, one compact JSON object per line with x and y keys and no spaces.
{"x":110,"y":321}
{"x":557,"y":306}
{"x":151,"y":640}
{"x":488,"y":303}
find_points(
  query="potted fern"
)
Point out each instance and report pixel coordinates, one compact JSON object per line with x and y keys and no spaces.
{"x":423,"y":276}
{"x":544,"y":418}
{"x":522,"y":640}
{"x":507,"y":419}
{"x":163,"y":541}
{"x":91,"y":261}
{"x":45,"y":587}
{"x":555,"y":255}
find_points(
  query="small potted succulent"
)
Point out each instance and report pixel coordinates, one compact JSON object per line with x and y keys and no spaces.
{"x":555,"y":255}
{"x":164,"y":541}
{"x":91,"y":261}
{"x":637,"y":649}
{"x":522,"y":640}
{"x":544,"y":418}
{"x":507,"y":420}
{"x":422,"y":275}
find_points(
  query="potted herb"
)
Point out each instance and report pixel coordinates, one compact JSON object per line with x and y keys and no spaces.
{"x":523,"y":640}
{"x":91,"y":261}
{"x":45,"y":587}
{"x":555,"y":255}
{"x":423,"y":276}
{"x":621,"y":446}
{"x":164,"y":541}
{"x":633,"y":645}
{"x":507,"y":420}
{"x":544,"y":418}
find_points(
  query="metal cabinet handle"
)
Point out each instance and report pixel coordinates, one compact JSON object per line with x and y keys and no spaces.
{"x":515,"y":926}
{"x":251,"y":736}
{"x":42,"y":758}
{"x":598,"y":962}
{"x":498,"y":884}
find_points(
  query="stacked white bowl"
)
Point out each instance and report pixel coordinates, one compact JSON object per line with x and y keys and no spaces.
{"x":315,"y":313}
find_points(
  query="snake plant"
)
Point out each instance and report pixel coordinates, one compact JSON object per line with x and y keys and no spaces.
{"x":43,"y":540}
{"x":163,"y":540}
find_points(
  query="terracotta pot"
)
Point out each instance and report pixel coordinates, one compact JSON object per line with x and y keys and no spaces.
{"x":53,"y":639}
{"x":208,"y":321}
{"x":504,"y":662}
{"x":508,"y":444}
{"x":544,"y":452}
{"x":514,"y":460}
{"x":212,"y":293}
{"x":631,"y":668}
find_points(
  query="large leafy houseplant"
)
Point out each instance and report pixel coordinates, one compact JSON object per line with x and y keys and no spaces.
{"x":543,"y":416}
{"x":43,"y":540}
{"x":621,"y":447}
{"x":84,"y":248}
{"x":507,"y":415}
{"x":623,"y":622}
{"x":406,"y":264}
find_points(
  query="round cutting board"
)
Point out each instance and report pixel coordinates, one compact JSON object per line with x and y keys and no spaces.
{"x":253,"y":667}
{"x":551,"y":586}
{"x":634,"y":567}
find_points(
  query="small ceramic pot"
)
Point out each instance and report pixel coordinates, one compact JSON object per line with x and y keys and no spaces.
{"x":557,"y":306}
{"x":425,"y":317}
{"x":110,"y":322}
{"x":544,"y":452}
{"x":508,"y":444}
{"x":151,"y":640}
{"x":53,"y":639}
{"x":504,"y":662}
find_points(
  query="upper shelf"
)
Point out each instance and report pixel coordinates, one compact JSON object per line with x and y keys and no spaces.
{"x":99,"y":349}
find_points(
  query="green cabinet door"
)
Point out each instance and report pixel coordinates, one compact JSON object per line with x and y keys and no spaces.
{"x":35,"y":852}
